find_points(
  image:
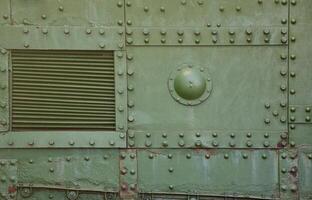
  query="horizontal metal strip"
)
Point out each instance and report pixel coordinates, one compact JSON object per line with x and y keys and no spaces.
{"x":95,"y":94}
{"x":63,"y":128}
{"x":62,"y":59}
{"x":65,"y":75}
{"x":63,"y":70}
{"x":65,"y":113}
{"x":34,"y":122}
{"x":105,"y":63}
{"x":61,"y":52}
{"x":65,"y":55}
{"x":58,"y":89}
{"x":90,"y":66}
{"x":89,"y":98}
{"x":56,"y":119}
{"x":64,"y":81}
{"x":62,"y":105}
{"x":56,"y":78}
{"x":49,"y":110}
{"x":62,"y":85}
{"x":64,"y":100}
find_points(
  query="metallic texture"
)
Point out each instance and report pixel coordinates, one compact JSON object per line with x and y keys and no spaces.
{"x":63,"y":90}
{"x":155,"y":99}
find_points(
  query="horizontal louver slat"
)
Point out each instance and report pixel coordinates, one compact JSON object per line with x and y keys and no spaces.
{"x":63,"y":90}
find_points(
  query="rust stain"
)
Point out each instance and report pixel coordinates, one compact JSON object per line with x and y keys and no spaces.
{"x":11,"y":189}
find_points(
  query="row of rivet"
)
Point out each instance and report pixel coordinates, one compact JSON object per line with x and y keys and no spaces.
{"x":70,"y":142}
{"x":67,"y":32}
{"x":120,"y":90}
{"x":3,"y":87}
{"x":215,"y":39}
{"x":307,"y":112}
{"x":292,"y":169}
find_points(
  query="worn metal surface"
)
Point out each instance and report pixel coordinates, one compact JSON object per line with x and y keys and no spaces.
{"x":208,"y":99}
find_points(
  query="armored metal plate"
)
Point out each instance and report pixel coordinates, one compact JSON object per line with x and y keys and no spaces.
{"x":201,"y":13}
{"x":8,"y":175}
{"x":305,"y":173}
{"x":67,"y":12}
{"x":88,"y":170}
{"x":300,"y":134}
{"x":62,"y":37}
{"x":5,"y":12}
{"x":248,"y":173}
{"x":246,"y":95}
{"x":4,"y":90}
{"x":300,"y":53}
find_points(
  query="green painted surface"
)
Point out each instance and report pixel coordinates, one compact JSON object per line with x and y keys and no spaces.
{"x":253,"y":120}
{"x":203,"y":171}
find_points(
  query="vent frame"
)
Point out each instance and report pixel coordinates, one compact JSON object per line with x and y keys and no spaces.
{"x":121,"y":100}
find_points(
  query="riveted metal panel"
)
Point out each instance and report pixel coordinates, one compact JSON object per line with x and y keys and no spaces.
{"x":67,"y":12}
{"x":62,"y":37}
{"x":5,"y":17}
{"x":300,"y":134}
{"x":201,"y":13}
{"x":248,"y":173}
{"x":121,"y":90}
{"x":88,"y":170}
{"x":4,"y":90}
{"x":63,"y":139}
{"x":305,"y":173}
{"x":253,"y":92}
{"x":300,"y":53}
{"x":8,"y":175}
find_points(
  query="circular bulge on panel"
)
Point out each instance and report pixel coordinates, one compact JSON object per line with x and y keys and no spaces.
{"x":190,"y":85}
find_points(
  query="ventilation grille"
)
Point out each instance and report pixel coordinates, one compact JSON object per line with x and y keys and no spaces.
{"x":63,"y":90}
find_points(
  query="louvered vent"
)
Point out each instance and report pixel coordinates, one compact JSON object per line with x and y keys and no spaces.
{"x":63,"y":90}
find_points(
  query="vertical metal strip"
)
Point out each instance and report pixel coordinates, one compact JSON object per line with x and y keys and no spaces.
{"x":4,"y":90}
{"x":121,"y":91}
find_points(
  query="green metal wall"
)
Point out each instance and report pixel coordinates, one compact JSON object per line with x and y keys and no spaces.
{"x":248,"y":135}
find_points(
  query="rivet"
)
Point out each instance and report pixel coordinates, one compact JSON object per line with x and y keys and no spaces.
{"x":249,"y":143}
{"x":293,"y":2}
{"x":292,"y":74}
{"x":214,"y":134}
{"x":150,"y":156}
{"x":92,"y":142}
{"x":119,"y":22}
{"x":221,"y":8}
{"x":292,"y":118}
{"x":102,"y":45}
{"x":310,"y":156}
{"x":292,"y":91}
{"x":198,"y":143}
{"x":51,"y":170}
{"x":283,"y":119}
{"x":283,"y":170}
{"x":226,"y":156}
{"x":292,"y":126}
{"x":43,"y":16}
{"x":148,"y":143}
{"x":266,"y":143}
{"x":111,"y":143}
{"x":284,"y":21}
{"x":170,"y":169}
{"x":308,"y":109}
{"x":188,"y":156}
{"x":267,"y":121}
{"x":249,"y":135}
{"x":130,"y":118}
{"x":68,"y":158}
{"x":264,"y":156}
{"x":260,"y":1}
{"x":146,"y":8}
{"x":61,"y":8}
{"x":128,"y":3}
{"x":86,"y":158}
{"x":171,"y":187}
{"x":308,"y":119}
{"x":232,"y":135}
{"x":284,"y":187}
{"x":66,"y":31}
{"x":165,"y":143}
{"x":129,"y":22}
{"x":284,"y":135}
{"x":26,"y":45}
{"x":162,"y":9}
{"x":207,"y":156}
{"x":293,"y":21}
{"x":215,"y":143}
{"x":266,"y":135}
{"x":119,"y":4}
{"x":238,"y":8}
{"x":275,"y":113}
{"x":45,"y":31}
{"x":292,"y":144}
{"x":51,"y":142}
{"x":181,"y":143}
{"x":293,"y":188}
{"x":245,"y":156}
{"x":267,"y":105}
{"x":266,"y":31}
{"x":71,"y":142}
